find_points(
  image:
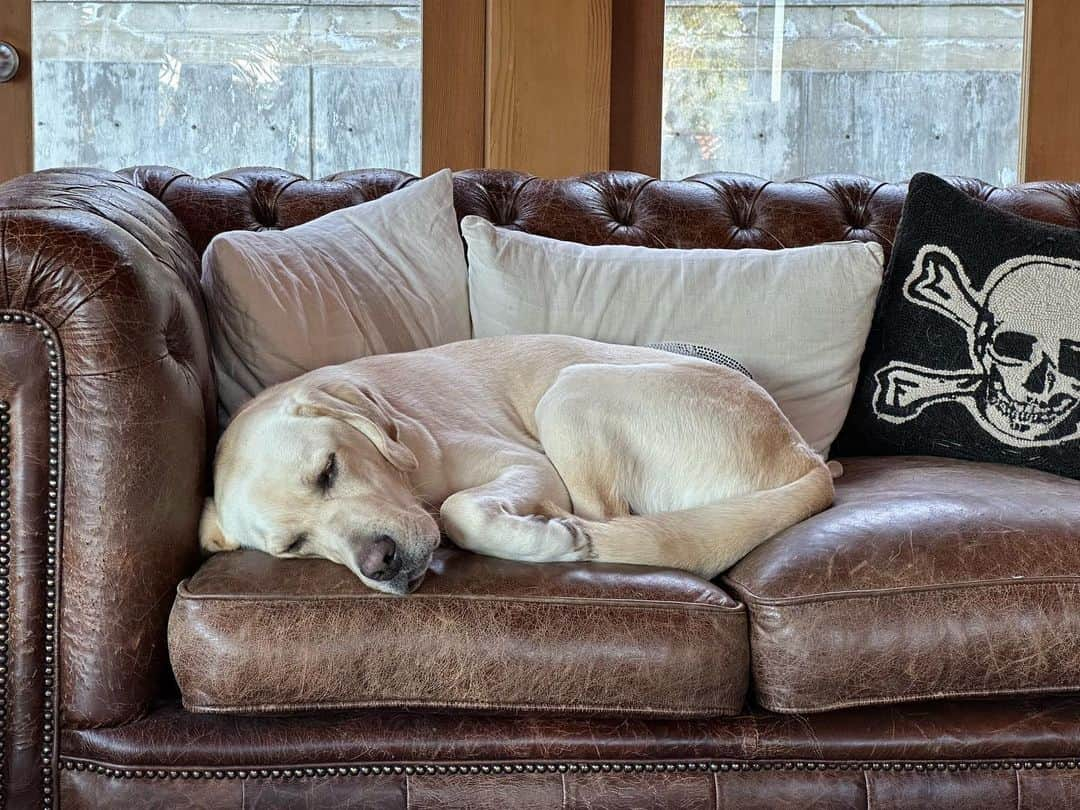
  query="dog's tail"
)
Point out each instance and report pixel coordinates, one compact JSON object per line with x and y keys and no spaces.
{"x":709,"y":539}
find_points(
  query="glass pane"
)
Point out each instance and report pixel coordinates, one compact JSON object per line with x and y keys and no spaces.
{"x":786,"y":89}
{"x":312,"y":86}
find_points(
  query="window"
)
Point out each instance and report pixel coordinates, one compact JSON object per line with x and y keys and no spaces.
{"x":786,"y":89}
{"x":312,"y":86}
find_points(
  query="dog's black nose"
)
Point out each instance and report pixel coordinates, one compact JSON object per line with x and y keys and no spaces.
{"x":378,"y":558}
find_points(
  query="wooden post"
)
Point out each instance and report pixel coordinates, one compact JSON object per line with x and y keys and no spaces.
{"x":453,"y":46}
{"x":1050,"y":139}
{"x":637,"y":84}
{"x":16,"y":96}
{"x":549,"y":86}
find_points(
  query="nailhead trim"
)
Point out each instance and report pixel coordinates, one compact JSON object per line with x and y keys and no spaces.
{"x":556,"y":767}
{"x":52,"y":545}
{"x":5,"y":570}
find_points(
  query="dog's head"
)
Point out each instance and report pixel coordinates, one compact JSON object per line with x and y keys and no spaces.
{"x":319,"y":470}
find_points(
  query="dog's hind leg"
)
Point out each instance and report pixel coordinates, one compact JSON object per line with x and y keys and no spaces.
{"x":678,"y":466}
{"x":522,"y":515}
{"x":709,"y":539}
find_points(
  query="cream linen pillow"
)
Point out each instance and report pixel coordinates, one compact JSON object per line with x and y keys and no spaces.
{"x":379,"y":277}
{"x":796,"y":318}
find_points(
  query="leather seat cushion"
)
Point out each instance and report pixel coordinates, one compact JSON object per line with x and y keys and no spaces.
{"x":250,"y":633}
{"x":928,"y":578}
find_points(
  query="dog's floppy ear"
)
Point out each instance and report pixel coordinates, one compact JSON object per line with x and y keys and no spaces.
{"x":364,"y":410}
{"x":211,"y":537}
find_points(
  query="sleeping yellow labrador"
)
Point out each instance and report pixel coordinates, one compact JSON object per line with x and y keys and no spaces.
{"x":537,"y":448}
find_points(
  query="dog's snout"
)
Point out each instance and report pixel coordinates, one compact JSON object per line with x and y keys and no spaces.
{"x":378,"y":558}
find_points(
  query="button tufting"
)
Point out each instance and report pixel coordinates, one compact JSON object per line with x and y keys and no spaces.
{"x":265,"y":215}
{"x":178,"y":341}
{"x":503,"y":215}
{"x":742,"y":213}
{"x":621,"y":213}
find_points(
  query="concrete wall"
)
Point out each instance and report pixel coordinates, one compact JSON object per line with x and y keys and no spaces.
{"x":316,"y":86}
{"x":884,"y":88}
{"x":313,"y":86}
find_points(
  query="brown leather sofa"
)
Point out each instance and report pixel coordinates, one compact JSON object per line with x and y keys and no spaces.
{"x":916,"y":646}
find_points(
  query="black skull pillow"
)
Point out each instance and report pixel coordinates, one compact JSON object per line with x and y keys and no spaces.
{"x":975,"y":347}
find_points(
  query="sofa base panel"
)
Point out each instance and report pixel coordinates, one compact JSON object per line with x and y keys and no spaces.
{"x":1023,"y":784}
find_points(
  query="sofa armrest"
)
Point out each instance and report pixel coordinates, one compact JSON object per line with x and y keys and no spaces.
{"x":106,"y":404}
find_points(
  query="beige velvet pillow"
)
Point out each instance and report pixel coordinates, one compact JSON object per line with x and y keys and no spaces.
{"x":379,"y":277}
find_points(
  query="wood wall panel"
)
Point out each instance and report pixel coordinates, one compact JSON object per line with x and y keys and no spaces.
{"x":1051,"y":140}
{"x":548,"y":86}
{"x":16,"y":97}
{"x":637,"y":84}
{"x":453,"y":84}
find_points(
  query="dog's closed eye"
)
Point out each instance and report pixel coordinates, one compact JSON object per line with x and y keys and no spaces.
{"x":328,"y":475}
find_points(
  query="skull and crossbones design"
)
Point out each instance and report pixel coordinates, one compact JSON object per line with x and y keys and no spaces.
{"x":1023,"y":337}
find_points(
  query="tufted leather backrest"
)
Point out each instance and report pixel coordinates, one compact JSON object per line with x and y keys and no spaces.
{"x":704,"y":211}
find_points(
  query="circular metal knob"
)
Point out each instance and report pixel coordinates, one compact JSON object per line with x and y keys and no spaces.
{"x":9,"y":62}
